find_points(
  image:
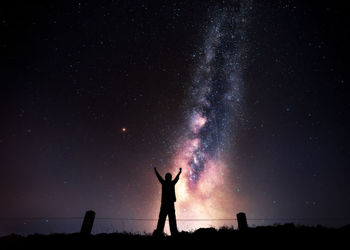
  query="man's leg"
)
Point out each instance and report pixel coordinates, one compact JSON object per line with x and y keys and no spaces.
{"x":172,"y":220}
{"x":161,"y":220}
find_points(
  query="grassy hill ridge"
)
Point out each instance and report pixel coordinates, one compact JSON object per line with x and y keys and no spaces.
{"x":287,"y":235}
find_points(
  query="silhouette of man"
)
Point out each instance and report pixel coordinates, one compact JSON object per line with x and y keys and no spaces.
{"x":167,"y":206}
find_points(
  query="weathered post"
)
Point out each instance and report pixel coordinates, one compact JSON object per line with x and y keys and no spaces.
{"x":242,"y":222}
{"x":88,"y":222}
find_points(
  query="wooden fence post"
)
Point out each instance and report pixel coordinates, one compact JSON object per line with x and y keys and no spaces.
{"x":88,"y":222}
{"x":242,"y":222}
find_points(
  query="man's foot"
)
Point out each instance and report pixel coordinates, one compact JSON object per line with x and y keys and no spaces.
{"x":175,"y":233}
{"x":157,"y":234}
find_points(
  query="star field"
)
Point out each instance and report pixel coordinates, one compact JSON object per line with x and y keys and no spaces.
{"x":95,"y":95}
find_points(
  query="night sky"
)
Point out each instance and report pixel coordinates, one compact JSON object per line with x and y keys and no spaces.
{"x":250,"y":98}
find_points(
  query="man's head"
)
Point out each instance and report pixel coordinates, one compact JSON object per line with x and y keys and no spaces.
{"x":168,"y":177}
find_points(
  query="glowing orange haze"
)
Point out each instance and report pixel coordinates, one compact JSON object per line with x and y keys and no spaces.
{"x":211,"y":197}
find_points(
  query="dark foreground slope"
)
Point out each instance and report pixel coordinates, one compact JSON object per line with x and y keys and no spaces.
{"x":281,"y":237}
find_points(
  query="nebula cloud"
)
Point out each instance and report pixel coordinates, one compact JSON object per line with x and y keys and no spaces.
{"x":213,"y":112}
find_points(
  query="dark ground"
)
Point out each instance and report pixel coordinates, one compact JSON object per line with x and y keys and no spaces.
{"x":278,"y":236}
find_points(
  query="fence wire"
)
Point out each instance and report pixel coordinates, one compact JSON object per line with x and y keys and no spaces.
{"x":199,"y":219}
{"x":56,"y":224}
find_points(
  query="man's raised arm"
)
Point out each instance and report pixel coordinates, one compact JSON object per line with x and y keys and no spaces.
{"x":177,"y":176}
{"x":158,"y":176}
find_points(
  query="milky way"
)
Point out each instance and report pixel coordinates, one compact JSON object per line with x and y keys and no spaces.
{"x":216,"y":92}
{"x":213,"y":112}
